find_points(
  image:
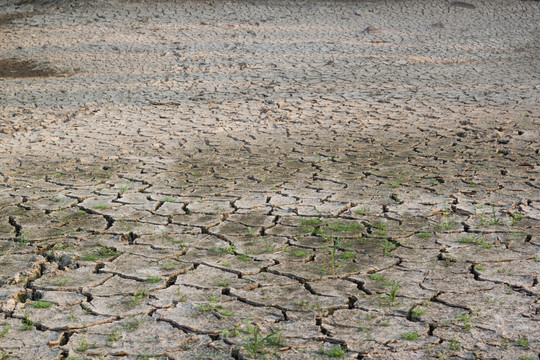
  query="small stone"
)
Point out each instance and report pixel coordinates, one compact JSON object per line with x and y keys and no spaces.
{"x":9,"y":305}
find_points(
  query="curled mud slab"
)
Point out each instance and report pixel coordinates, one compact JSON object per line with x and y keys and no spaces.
{"x":270,"y":179}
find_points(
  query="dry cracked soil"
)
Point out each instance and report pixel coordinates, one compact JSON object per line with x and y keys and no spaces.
{"x":269,"y":179}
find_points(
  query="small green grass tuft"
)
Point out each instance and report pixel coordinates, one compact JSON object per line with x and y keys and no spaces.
{"x":336,"y":351}
{"x":454,"y":345}
{"x":347,"y":255}
{"x":27,"y":323}
{"x":5,"y":330}
{"x":467,"y":321}
{"x":300,"y":253}
{"x":252,"y":232}
{"x":475,"y":240}
{"x":410,"y":336}
{"x":41,"y":304}
{"x":244,"y":257}
{"x":223,"y":283}
{"x":153,"y":280}
{"x":416,"y":314}
{"x":133,"y":324}
{"x":380,"y":279}
{"x":362,"y":211}
{"x":523,"y":342}
{"x":84,"y":346}
{"x":517,"y":217}
{"x":138,"y":297}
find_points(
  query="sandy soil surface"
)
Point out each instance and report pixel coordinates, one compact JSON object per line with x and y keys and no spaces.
{"x":269,"y":179}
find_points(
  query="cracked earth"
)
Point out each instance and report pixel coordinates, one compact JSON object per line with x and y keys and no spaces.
{"x":269,"y":179}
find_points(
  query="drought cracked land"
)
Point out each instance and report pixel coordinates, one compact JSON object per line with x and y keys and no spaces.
{"x":269,"y":179}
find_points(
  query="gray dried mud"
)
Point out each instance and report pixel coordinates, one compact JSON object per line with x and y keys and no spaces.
{"x":270,"y":179}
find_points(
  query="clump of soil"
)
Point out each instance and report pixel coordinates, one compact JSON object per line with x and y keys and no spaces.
{"x":6,"y":19}
{"x":14,"y":68}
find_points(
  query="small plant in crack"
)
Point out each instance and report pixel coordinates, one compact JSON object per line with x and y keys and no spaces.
{"x":390,"y":298}
{"x":394,"y":291}
{"x":22,"y":239}
{"x":126,"y":225}
{"x":475,"y":240}
{"x":372,"y":315}
{"x":448,"y":223}
{"x":362,"y":211}
{"x":379,"y":228}
{"x":153,"y":280}
{"x":494,"y":220}
{"x":62,"y":281}
{"x":169,"y":239}
{"x":4,"y":330}
{"x":27,"y":323}
{"x":169,"y":265}
{"x":210,"y":306}
{"x":395,"y":197}
{"x":300,"y":253}
{"x":41,"y":304}
{"x":256,"y":344}
{"x":517,"y":217}
{"x":399,"y":179}
{"x":349,"y":228}
{"x":181,"y":297}
{"x":311,"y":226}
{"x":125,"y":188}
{"x":234,"y":332}
{"x":334,"y":267}
{"x":523,"y":342}
{"x":84,"y":346}
{"x":72,"y":317}
{"x":454,"y":345}
{"x":168,"y":199}
{"x":133,"y":324}
{"x":415,"y":314}
{"x":252,"y":232}
{"x":410,"y":336}
{"x":335,"y":351}
{"x":223,"y":283}
{"x":244,"y":257}
{"x":348,"y":255}
{"x":101,"y":207}
{"x":380,"y":279}
{"x":228,"y":250}
{"x":101,"y":253}
{"x":424,"y":235}
{"x":113,"y":337}
{"x":388,"y":247}
{"x":467,"y":321}
{"x":268,"y":248}
{"x":214,"y":306}
{"x":138,"y":297}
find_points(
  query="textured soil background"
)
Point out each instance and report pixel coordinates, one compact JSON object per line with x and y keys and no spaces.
{"x":269,"y":179}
